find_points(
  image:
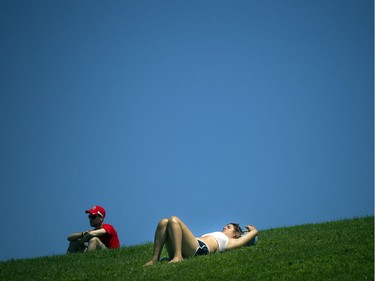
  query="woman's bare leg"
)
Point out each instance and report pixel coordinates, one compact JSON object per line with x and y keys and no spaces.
{"x":183,"y":240}
{"x":169,"y":247}
{"x":159,"y":240}
{"x":179,"y":240}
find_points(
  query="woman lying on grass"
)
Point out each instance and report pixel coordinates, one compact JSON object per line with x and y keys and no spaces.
{"x":181,"y":243}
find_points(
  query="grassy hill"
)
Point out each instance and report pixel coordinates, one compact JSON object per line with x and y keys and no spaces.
{"x":339,"y":250}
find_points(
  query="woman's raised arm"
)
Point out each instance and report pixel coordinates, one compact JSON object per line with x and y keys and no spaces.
{"x":244,"y":239}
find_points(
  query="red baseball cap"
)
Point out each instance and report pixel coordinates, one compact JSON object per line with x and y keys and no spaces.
{"x":96,"y":210}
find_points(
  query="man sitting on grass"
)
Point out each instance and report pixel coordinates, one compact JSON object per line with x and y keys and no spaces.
{"x":103,"y":235}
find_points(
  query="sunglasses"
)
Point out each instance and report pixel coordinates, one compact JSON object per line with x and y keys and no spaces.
{"x":92,"y":217}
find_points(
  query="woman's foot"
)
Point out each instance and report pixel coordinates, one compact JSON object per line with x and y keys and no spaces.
{"x":176,"y":259}
{"x":151,"y":262}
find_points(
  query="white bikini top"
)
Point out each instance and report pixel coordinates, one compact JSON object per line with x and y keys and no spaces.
{"x":221,"y":239}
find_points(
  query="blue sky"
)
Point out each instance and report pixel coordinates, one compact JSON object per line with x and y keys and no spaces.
{"x":258,"y":112}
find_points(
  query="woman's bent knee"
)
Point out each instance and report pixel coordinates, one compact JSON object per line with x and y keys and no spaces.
{"x":174,"y":219}
{"x":163,"y":223}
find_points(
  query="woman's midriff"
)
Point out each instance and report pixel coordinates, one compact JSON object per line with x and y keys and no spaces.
{"x":210,"y":242}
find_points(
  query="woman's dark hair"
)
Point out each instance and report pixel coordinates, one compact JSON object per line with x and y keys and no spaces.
{"x":237,"y":228}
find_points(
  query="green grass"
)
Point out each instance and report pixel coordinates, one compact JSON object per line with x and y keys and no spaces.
{"x":339,"y":250}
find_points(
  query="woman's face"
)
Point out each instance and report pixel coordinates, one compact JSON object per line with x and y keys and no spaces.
{"x":229,"y":231}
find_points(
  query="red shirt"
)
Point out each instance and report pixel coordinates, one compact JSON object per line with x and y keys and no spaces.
{"x":110,"y":239}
